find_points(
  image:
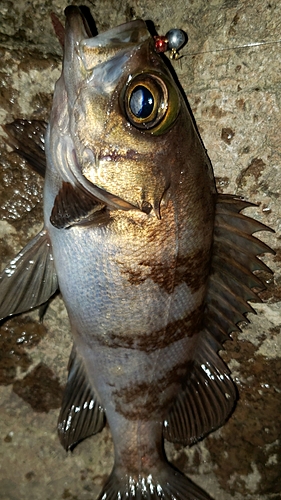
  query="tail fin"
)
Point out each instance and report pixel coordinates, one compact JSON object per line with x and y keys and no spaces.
{"x":167,"y":484}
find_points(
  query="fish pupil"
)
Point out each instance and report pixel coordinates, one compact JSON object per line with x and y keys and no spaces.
{"x":141,"y":102}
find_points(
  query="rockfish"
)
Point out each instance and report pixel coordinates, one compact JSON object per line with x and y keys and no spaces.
{"x":154,"y":266}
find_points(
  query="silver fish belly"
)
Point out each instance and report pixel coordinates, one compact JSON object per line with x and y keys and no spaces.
{"x":155,"y":268}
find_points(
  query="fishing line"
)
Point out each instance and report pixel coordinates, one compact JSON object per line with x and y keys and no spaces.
{"x":213,"y":51}
{"x":237,"y":47}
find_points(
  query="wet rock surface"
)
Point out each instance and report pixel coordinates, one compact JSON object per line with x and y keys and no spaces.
{"x":231,"y":75}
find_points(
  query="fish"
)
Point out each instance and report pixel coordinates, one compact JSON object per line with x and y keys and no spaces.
{"x":155,"y":267}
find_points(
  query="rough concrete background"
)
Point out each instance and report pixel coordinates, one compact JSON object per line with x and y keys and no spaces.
{"x":231,"y":74}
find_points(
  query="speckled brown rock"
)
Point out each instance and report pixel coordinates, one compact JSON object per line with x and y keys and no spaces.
{"x":231,"y":74}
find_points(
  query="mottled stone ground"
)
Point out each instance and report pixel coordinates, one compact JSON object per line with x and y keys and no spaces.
{"x":231,"y":74}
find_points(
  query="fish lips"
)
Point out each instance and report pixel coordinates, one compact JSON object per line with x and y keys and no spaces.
{"x":115,"y":44}
{"x":127,"y":34}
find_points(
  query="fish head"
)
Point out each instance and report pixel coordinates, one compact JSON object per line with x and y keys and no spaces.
{"x":117,"y":104}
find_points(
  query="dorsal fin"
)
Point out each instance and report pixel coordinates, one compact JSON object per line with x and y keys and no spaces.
{"x":59,"y":28}
{"x":234,"y":260}
{"x":208,"y":394}
{"x":27,"y":138}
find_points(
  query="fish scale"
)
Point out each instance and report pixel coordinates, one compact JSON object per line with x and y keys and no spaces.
{"x":155,"y":268}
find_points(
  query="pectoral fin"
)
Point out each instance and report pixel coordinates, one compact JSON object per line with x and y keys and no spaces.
{"x":27,"y":138}
{"x":75,"y":206}
{"x":30,"y":279}
{"x":81,"y":413}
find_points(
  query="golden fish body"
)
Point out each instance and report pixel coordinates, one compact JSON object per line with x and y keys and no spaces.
{"x":134,"y":280}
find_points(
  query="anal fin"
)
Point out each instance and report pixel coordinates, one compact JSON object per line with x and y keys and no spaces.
{"x":206,"y":398}
{"x":30,"y":279}
{"x":81,"y":413}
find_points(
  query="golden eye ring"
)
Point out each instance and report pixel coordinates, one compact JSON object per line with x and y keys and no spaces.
{"x":146,"y":101}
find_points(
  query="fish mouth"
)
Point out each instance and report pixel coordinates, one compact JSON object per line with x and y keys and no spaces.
{"x":102,"y":57}
{"x":131,"y":32}
{"x":78,"y":33}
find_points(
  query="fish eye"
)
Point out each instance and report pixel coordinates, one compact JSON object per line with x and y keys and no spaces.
{"x":141,"y":102}
{"x":147,"y":102}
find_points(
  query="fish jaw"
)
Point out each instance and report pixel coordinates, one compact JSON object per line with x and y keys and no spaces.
{"x":83,"y":52}
{"x":91,"y":141}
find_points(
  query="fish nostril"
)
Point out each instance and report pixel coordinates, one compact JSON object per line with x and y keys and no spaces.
{"x":146,"y":207}
{"x":89,"y":156}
